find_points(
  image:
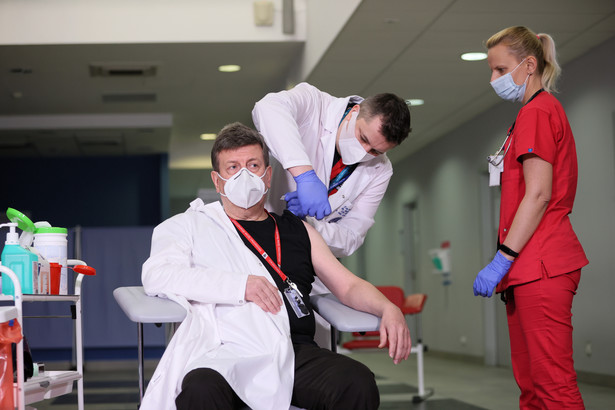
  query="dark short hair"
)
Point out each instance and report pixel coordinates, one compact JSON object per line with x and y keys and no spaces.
{"x":233,"y":136}
{"x":394,"y":112}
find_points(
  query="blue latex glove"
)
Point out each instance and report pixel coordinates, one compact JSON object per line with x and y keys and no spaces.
{"x":293,"y":204}
{"x":312,"y":194}
{"x":491,"y":275}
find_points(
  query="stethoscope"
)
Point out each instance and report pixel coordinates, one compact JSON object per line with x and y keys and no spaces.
{"x":493,"y":159}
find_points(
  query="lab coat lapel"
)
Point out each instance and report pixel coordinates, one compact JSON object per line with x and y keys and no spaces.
{"x":331,"y":121}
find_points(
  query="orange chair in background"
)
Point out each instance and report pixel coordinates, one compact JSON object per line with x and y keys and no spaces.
{"x":409,"y":305}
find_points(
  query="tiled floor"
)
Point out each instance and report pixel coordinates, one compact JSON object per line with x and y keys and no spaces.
{"x":458,"y":385}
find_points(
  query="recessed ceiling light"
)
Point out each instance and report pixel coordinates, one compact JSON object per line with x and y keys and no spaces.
{"x":229,"y":68}
{"x":473,"y":56}
{"x":208,"y":137}
{"x":415,"y":101}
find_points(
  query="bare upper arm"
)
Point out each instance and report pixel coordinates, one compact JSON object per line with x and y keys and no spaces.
{"x":332,"y":273}
{"x":538,"y":176}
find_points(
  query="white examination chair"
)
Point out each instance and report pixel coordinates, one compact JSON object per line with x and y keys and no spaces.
{"x":141,"y":308}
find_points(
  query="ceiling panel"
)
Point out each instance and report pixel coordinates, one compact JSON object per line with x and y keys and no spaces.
{"x":410,"y":47}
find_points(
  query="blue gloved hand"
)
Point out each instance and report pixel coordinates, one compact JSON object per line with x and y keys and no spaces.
{"x":491,"y":275}
{"x":293,"y":204}
{"x":312,"y":194}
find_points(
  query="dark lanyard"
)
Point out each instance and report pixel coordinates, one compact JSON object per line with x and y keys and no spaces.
{"x":265,"y":255}
{"x":512,"y":127}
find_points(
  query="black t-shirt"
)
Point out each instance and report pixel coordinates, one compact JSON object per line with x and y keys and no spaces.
{"x":296,"y":264}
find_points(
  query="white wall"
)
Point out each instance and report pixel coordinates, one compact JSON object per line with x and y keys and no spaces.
{"x":141,"y":21}
{"x":443,"y":179}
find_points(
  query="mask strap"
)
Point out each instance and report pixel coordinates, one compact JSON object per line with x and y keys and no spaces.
{"x":518,"y":65}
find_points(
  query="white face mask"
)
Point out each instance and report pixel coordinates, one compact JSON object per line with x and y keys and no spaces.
{"x":506,"y":88}
{"x":351,"y":150}
{"x":244,"y":189}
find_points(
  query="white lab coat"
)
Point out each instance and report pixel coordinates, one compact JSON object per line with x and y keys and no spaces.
{"x":199,"y":260}
{"x":300,"y":127}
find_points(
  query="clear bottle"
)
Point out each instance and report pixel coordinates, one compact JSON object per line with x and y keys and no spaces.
{"x":21,"y":261}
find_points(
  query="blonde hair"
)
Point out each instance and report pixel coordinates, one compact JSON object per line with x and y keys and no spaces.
{"x":523,"y":42}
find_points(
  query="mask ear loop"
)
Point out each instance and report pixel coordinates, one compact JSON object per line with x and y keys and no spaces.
{"x":225,"y":180}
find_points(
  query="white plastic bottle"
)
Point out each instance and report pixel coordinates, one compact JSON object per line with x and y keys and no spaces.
{"x":51,"y":242}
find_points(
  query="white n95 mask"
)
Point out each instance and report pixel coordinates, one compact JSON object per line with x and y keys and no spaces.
{"x":506,"y":88}
{"x":351,"y":150}
{"x":244,"y":189}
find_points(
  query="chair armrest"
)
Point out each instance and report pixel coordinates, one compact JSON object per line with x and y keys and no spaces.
{"x":342,"y":317}
{"x":141,"y":308}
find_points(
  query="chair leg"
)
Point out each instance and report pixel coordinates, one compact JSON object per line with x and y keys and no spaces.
{"x":419,"y":349}
{"x":140,"y":359}
{"x":419,"y":367}
{"x":333,"y":339}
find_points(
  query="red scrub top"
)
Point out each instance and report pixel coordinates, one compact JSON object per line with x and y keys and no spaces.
{"x":542,"y":128}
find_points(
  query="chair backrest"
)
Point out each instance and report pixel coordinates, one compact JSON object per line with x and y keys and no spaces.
{"x":394,"y":293}
{"x":414,"y":303}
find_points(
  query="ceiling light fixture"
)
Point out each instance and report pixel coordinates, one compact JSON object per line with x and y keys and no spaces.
{"x":474,"y":56}
{"x":415,"y":101}
{"x":229,"y":68}
{"x":208,"y":137}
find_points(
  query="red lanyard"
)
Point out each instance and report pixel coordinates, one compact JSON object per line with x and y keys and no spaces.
{"x":261,"y":251}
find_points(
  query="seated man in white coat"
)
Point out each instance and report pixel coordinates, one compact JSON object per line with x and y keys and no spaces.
{"x":245,"y":276}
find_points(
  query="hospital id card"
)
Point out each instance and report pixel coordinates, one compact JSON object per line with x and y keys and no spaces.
{"x":296,"y":302}
{"x":495,"y":171}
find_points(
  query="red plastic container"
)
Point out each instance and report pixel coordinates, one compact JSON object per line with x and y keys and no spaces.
{"x":55,"y":270}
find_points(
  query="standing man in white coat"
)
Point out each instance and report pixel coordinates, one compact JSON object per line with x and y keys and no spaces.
{"x":334,"y":152}
{"x":244,"y":275}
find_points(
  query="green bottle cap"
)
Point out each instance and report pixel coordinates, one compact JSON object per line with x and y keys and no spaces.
{"x":50,"y":229}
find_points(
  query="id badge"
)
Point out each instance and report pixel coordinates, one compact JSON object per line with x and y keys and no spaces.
{"x":495,"y":171}
{"x":296,"y":302}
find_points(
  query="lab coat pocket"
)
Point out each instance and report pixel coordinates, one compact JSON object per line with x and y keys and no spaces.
{"x":340,"y":207}
{"x":251,"y":327}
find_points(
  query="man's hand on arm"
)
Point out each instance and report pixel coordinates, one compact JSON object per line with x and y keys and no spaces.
{"x":260,"y":291}
{"x":394,"y":330}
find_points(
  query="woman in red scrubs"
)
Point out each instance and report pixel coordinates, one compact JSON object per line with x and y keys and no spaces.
{"x":538,"y":263}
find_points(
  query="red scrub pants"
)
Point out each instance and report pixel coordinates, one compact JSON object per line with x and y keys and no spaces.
{"x":540,"y":328}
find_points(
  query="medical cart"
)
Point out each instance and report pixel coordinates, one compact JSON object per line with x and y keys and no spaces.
{"x":51,"y":383}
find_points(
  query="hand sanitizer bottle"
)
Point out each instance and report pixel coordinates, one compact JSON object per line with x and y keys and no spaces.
{"x":21,"y":261}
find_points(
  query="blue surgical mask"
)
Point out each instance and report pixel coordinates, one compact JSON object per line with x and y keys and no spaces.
{"x":506,"y":88}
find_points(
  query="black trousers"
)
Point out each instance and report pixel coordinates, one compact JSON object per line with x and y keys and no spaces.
{"x":323,"y":380}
